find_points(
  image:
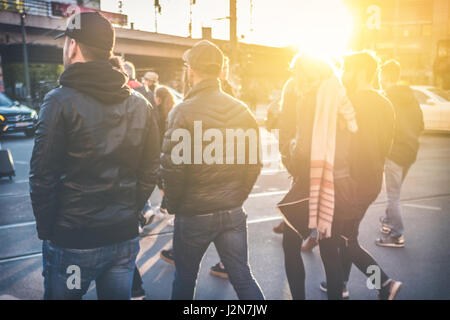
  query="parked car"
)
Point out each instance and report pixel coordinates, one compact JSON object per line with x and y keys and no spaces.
{"x":15,"y":117}
{"x":435,"y":105}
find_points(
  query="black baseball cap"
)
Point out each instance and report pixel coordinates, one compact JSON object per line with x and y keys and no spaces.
{"x":92,"y":29}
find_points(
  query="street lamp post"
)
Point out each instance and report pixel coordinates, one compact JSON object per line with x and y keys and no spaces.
{"x":25,"y":58}
{"x":233,"y":30}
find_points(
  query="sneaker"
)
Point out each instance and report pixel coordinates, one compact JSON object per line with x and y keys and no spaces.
{"x":390,"y":290}
{"x":390,"y":241}
{"x":160,"y":214}
{"x":279,"y":228}
{"x":385,"y":229}
{"x":138,"y":294}
{"x":345,"y":292}
{"x":310,"y":244}
{"x":168,"y":256}
{"x":219,"y":271}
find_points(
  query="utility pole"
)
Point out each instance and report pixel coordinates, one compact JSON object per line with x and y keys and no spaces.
{"x":25,"y":58}
{"x":233,"y":31}
{"x":157,"y":10}
{"x":191,"y":3}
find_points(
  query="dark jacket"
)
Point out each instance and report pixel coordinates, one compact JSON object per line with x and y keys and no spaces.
{"x":372,"y":142}
{"x":288,"y":124}
{"x":408,"y":125}
{"x":95,"y":159}
{"x":193,"y":189}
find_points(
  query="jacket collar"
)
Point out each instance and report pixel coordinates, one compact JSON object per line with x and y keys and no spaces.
{"x":207,"y":84}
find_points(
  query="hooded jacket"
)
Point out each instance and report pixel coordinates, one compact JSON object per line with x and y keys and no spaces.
{"x":195,"y":187}
{"x":95,"y":158}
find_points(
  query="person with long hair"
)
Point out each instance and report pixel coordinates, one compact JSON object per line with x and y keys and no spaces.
{"x":311,"y":152}
{"x":165,"y":101}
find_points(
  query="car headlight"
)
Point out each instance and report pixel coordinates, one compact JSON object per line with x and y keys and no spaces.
{"x":33,"y":115}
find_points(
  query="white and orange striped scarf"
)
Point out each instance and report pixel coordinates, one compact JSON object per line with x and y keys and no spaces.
{"x":331,"y":101}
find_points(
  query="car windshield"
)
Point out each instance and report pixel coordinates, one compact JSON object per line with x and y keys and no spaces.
{"x":442,"y":95}
{"x":5,"y":101}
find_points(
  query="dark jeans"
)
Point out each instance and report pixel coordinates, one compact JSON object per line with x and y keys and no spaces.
{"x":111,"y":267}
{"x":227,"y":229}
{"x":293,"y":262}
{"x":341,"y":251}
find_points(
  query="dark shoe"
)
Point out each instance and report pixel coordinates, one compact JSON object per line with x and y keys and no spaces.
{"x":279,"y":228}
{"x":385,"y":229}
{"x":345,"y":292}
{"x":146,"y":218}
{"x":390,"y":241}
{"x":219,"y":271}
{"x":310,"y":244}
{"x":138,"y":294}
{"x":168,"y":256}
{"x":390,"y":290}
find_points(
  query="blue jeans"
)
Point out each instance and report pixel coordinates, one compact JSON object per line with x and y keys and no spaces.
{"x":394,"y":176}
{"x":69,"y":272}
{"x":192,"y":237}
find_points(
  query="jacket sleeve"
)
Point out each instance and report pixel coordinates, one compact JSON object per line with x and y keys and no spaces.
{"x":287,"y":123}
{"x":173,"y":173}
{"x":147,"y":176}
{"x":46,"y":165}
{"x":253,"y":169}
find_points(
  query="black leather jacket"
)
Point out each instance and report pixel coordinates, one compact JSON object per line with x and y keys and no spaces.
{"x":93,"y":167}
{"x":193,"y":189}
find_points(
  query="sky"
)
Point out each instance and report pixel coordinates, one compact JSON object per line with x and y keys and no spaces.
{"x":308,"y":24}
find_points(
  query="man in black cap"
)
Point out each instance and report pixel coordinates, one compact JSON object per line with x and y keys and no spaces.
{"x":94,"y":165}
{"x":207,"y":196}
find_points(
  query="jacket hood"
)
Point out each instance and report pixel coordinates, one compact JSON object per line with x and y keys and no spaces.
{"x":97,"y":79}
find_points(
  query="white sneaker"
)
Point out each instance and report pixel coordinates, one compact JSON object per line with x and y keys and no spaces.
{"x":159,"y":215}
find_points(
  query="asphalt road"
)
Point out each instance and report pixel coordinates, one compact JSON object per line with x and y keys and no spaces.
{"x":423,"y":265}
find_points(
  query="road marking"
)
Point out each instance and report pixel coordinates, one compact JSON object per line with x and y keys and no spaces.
{"x":27,"y":256}
{"x":21,"y":162}
{"x":8,"y":297}
{"x":4,"y":195}
{"x":264,"y":219}
{"x":265,"y":194}
{"x":272,"y":171}
{"x":16,"y":225}
{"x":150,"y":262}
{"x":21,"y":181}
{"x":422,"y":207}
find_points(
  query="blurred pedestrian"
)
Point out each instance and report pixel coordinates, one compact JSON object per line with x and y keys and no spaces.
{"x":150,"y":82}
{"x":361,"y":184}
{"x":89,"y":174}
{"x":316,"y":99}
{"x":408,"y":127}
{"x":207,"y":198}
{"x":136,"y":85}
